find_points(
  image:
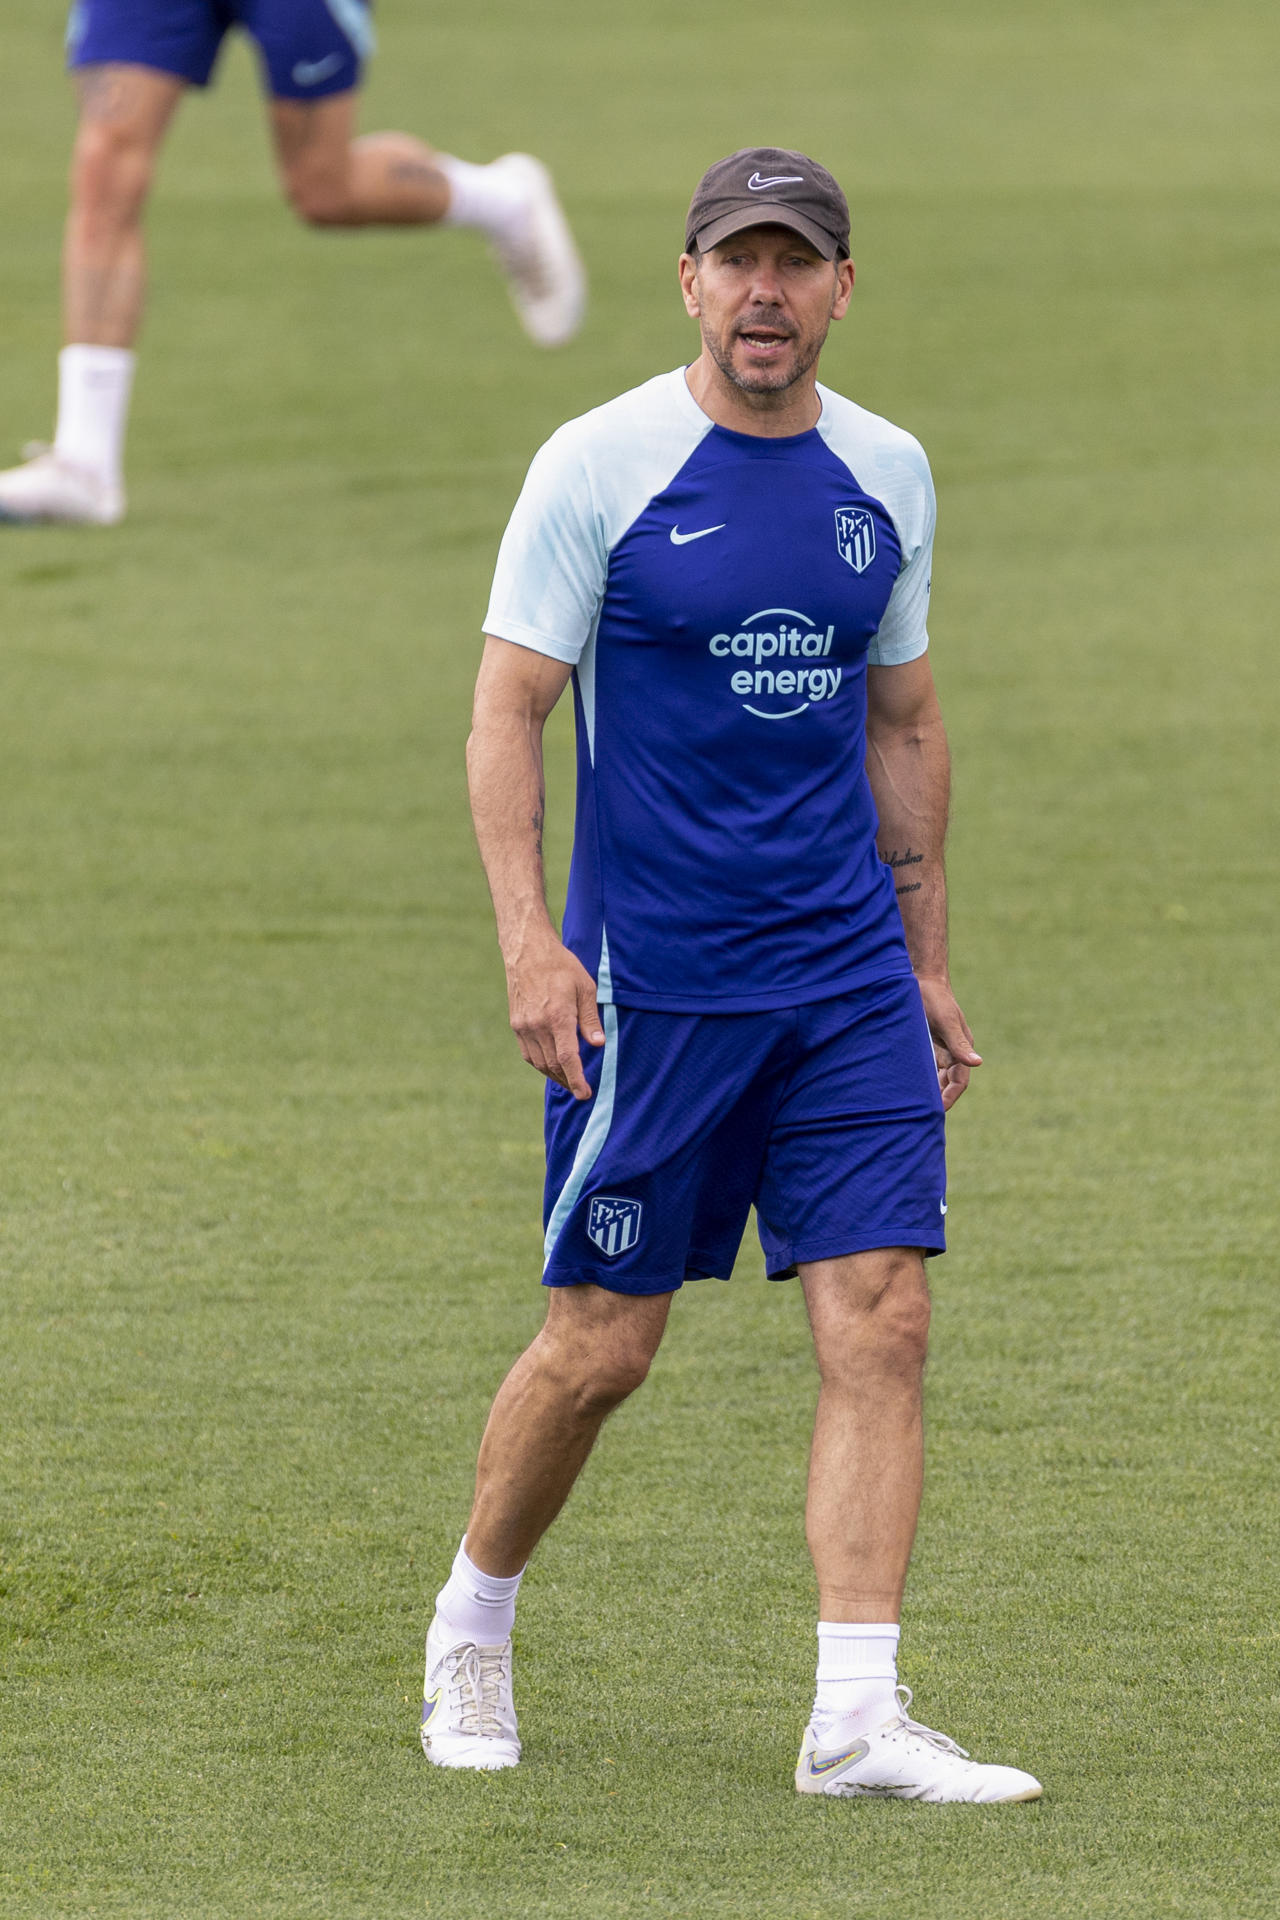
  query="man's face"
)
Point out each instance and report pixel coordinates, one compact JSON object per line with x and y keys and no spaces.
{"x":765,"y":299}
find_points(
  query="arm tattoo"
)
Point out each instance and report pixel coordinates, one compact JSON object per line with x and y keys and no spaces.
{"x":535,"y":821}
{"x":417,"y":171}
{"x":898,"y":860}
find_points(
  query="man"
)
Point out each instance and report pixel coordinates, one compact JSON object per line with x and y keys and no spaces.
{"x":134,"y":59}
{"x":733,"y":564}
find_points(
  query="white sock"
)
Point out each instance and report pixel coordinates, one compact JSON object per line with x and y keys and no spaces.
{"x":482,"y":197}
{"x":94,"y":384}
{"x":857,"y":1673}
{"x":478,"y":1606}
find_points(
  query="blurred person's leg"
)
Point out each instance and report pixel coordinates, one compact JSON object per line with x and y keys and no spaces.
{"x":133,"y":59}
{"x":124,"y":113}
{"x":331,"y":178}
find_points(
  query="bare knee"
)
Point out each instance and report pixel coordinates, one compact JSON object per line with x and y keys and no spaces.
{"x":900,"y":1319}
{"x":603,"y":1381}
{"x":879,"y":1319}
{"x":112,"y":168}
{"x":318,"y":195}
{"x":596,"y":1347}
{"x":594,"y":1378}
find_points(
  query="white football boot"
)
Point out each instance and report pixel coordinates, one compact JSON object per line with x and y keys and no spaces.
{"x":47,"y":488}
{"x":468,"y":1719}
{"x":902,"y":1760}
{"x":545,"y":275}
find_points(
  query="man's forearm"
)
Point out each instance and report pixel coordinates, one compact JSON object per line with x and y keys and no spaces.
{"x":550,"y":994}
{"x":910,"y":773}
{"x":909,"y":768}
{"x":508,"y":803}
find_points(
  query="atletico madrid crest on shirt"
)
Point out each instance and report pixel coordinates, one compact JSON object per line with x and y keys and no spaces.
{"x":613,"y":1224}
{"x":856,"y":537}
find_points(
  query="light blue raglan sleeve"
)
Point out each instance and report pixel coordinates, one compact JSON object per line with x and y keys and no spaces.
{"x":550,"y":576}
{"x":907,"y":491}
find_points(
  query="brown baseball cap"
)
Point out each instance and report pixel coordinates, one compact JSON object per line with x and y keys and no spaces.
{"x":769,"y":187}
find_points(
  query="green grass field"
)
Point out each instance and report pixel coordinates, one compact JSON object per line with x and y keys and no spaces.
{"x":269,"y":1161}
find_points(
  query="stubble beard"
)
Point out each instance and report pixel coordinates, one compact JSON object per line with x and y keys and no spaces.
{"x":763,"y":383}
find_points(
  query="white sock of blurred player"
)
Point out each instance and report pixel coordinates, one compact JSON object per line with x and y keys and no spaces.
{"x":94,"y":385}
{"x":486,"y":197}
{"x":513,"y":202}
{"x":79,"y":478}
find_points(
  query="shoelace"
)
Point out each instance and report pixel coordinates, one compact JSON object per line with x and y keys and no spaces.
{"x":476,"y":1678}
{"x":941,"y":1741}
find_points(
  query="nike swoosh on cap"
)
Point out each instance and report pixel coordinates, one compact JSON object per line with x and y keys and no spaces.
{"x":679,"y":539}
{"x":756,"y":185}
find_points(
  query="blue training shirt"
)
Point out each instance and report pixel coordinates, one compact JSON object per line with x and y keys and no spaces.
{"x":719,"y":596}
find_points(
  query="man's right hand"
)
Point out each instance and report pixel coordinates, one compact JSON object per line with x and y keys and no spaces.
{"x":552,"y":999}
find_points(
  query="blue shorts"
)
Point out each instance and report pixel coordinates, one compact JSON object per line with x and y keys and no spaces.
{"x":308,"y":48}
{"x":827,"y":1118}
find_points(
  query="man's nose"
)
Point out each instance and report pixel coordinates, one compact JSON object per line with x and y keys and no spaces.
{"x":766,"y":287}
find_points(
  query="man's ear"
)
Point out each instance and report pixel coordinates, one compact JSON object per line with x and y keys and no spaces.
{"x":688,"y":271}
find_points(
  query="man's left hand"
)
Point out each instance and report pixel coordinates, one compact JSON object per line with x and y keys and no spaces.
{"x":953,"y":1047}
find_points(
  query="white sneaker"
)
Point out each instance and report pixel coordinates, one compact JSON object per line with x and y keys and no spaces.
{"x":904,"y":1761}
{"x":545,"y":275}
{"x":48,"y":488}
{"x":468,"y":1719}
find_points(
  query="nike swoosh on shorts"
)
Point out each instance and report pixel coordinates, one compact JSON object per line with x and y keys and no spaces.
{"x":308,"y":72}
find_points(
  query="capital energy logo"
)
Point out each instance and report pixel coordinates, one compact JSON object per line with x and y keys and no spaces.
{"x":779,"y":635}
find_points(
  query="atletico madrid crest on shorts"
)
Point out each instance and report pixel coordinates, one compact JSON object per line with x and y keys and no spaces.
{"x":614,"y":1225}
{"x":856,"y":537}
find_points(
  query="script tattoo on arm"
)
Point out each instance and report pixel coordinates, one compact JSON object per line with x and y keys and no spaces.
{"x":535,"y":821}
{"x":897,"y":861}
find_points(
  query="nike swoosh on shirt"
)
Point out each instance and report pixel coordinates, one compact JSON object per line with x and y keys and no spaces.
{"x":679,"y":539}
{"x":307,"y":72}
{"x":756,"y":185}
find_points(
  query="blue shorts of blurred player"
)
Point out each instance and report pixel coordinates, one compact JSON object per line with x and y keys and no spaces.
{"x":308,"y":48}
